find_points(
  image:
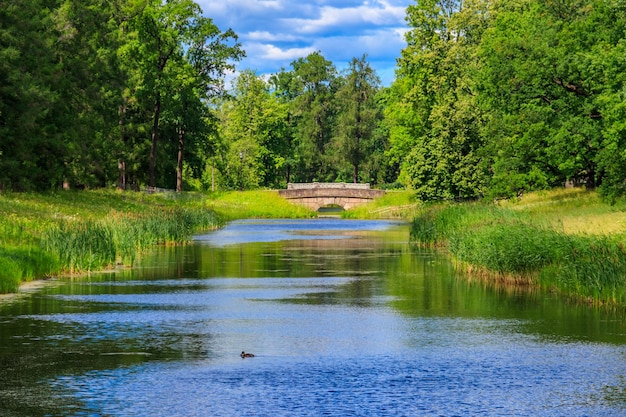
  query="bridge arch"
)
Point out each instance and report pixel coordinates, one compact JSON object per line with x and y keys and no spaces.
{"x":317,"y":195}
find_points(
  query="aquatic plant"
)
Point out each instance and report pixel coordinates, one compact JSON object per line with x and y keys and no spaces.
{"x":517,"y":246}
{"x":51,"y":234}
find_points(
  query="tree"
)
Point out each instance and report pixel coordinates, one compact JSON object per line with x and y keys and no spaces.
{"x":358,"y":113}
{"x":180,"y":58}
{"x":543,"y":77}
{"x":314,"y":109}
{"x":209,"y":55}
{"x":26,"y":92}
{"x":433,"y":114}
{"x":253,"y":123}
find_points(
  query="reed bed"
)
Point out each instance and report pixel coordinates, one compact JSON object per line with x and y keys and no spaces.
{"x":509,"y":245}
{"x":118,"y":238}
{"x":71,"y":232}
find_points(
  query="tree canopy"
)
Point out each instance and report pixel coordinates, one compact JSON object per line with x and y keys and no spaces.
{"x":491,"y":98}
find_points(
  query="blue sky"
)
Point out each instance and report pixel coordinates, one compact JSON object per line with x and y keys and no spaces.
{"x":276,"y":32}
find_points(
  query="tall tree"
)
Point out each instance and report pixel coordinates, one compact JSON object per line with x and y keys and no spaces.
{"x":542,"y":82}
{"x":433,"y":115}
{"x":358,"y":113}
{"x":314,"y":109}
{"x":253,"y":122}
{"x":180,"y":58}
{"x":27,"y":65}
{"x":209,"y":54}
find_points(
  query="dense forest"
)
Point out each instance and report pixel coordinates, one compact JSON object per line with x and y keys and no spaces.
{"x":491,"y":98}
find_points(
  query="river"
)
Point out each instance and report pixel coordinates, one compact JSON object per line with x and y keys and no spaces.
{"x":344,"y":319}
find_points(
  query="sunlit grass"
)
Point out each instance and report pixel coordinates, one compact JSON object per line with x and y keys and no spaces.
{"x":232,"y":205}
{"x":573,"y":211}
{"x":394,"y":204}
{"x":68,"y":232}
{"x":527,"y":242}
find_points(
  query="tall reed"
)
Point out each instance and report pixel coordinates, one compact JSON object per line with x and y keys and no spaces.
{"x":506,"y":245}
{"x":89,"y":245}
{"x":82,"y":246}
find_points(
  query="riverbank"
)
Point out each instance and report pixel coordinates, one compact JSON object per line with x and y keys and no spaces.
{"x":74,"y":232}
{"x":65,"y":233}
{"x":567,"y":241}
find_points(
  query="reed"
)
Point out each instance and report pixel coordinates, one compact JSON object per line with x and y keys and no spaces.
{"x":71,"y":232}
{"x":517,"y":246}
{"x":81,"y":246}
{"x":593,"y":268}
{"x":119,"y":237}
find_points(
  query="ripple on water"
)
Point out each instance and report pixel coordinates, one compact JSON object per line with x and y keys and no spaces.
{"x":494,"y":382}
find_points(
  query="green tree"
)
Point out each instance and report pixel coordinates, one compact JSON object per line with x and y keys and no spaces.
{"x":314,"y":110}
{"x":548,"y":66}
{"x":179,"y":59}
{"x":253,"y":123}
{"x":433,"y":115}
{"x":26,"y":93}
{"x":358,"y":114}
{"x":197,"y":79}
{"x":59,"y":83}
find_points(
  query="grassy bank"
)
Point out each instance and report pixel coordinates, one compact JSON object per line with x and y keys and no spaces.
{"x":43,"y":235}
{"x":567,"y":241}
{"x":231,"y":205}
{"x":395,"y":204}
{"x":73,"y":232}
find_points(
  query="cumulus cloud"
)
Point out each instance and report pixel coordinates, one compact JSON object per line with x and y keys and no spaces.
{"x":276,"y":32}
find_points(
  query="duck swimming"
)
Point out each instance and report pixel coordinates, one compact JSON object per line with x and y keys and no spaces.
{"x":246,"y":355}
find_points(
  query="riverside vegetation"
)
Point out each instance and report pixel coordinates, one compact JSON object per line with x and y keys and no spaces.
{"x":64,"y":233}
{"x":567,"y":241}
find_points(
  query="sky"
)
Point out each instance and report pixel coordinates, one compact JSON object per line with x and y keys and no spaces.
{"x":275,"y":33}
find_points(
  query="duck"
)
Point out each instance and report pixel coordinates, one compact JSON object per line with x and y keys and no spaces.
{"x":247,"y":355}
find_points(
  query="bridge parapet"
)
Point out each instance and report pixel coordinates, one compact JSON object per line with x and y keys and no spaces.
{"x":312,"y":185}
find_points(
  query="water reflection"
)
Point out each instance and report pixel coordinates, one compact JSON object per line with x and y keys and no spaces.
{"x":344,"y":319}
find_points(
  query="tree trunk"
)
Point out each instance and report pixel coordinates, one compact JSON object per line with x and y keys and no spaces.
{"x":121,"y":164}
{"x":121,"y":179}
{"x":155,"y":137}
{"x":179,"y":166}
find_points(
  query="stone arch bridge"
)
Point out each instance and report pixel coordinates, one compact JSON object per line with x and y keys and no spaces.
{"x":323,"y":194}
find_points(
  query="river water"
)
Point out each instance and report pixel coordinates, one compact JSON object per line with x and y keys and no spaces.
{"x":344,"y":319}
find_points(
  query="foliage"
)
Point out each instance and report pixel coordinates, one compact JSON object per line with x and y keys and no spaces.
{"x":253,"y":123}
{"x":492,"y":98}
{"x":89,"y":88}
{"x":497,"y":98}
{"x":357,"y":118}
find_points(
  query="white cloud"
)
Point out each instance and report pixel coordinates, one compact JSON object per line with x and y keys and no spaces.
{"x":265,"y":36}
{"x":274,"y":53}
{"x":274,"y":33}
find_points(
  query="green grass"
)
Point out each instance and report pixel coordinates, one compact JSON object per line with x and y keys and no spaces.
{"x":394,"y":204}
{"x":231,"y":205}
{"x":526,"y":242}
{"x":72,"y":232}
